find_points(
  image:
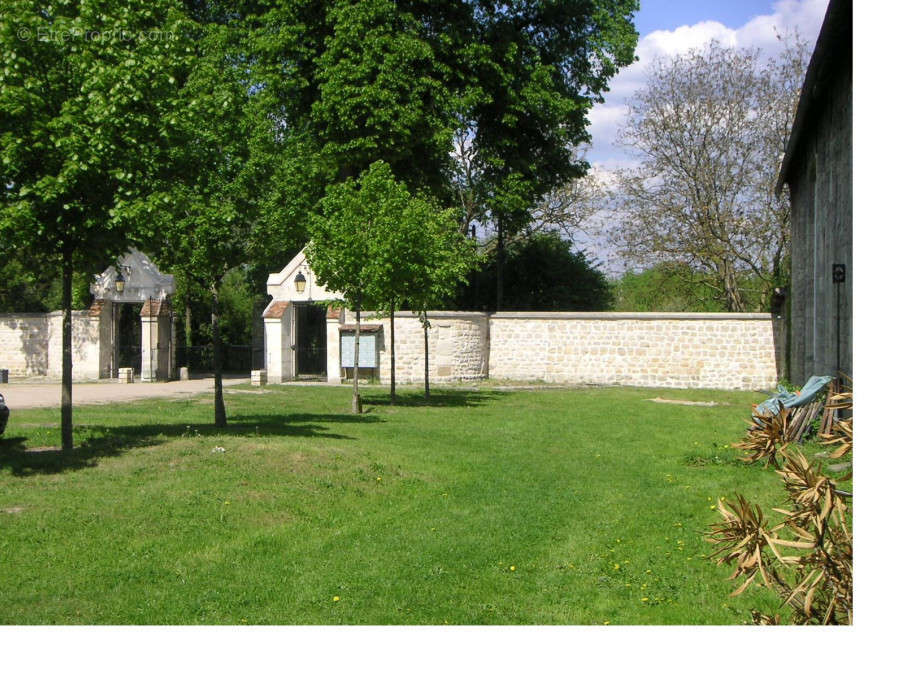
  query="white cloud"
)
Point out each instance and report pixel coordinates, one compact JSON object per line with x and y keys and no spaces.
{"x":759,"y":32}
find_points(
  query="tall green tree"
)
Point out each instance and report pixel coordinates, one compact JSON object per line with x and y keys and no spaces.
{"x":219,"y":174}
{"x":345,"y":240}
{"x":418,"y":256}
{"x":383,"y":94}
{"x":536,"y":68}
{"x":85,"y":91}
{"x":544,"y":273}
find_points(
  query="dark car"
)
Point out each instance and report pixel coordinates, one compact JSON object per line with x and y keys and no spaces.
{"x":4,"y":414}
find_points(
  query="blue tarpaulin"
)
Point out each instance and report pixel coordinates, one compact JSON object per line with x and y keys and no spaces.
{"x":808,"y":393}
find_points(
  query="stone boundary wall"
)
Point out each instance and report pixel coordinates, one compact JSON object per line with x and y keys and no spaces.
{"x":458,"y":346}
{"x":678,"y":350}
{"x":681,"y":350}
{"x":31,"y":344}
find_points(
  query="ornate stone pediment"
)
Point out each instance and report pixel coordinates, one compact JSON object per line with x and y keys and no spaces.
{"x":143,"y":280}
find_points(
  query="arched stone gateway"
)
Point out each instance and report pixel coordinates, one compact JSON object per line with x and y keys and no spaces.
{"x":127,"y":327}
{"x":299,"y":325}
{"x":133,"y":296}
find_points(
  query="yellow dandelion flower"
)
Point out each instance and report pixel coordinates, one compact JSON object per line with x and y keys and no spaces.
{"x":616,"y":566}
{"x":513,"y":567}
{"x":607,"y":622}
{"x":335,"y":599}
{"x":645,"y":600}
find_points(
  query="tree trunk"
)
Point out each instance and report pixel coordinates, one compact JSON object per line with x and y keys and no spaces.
{"x":732,"y":294}
{"x":392,"y":324}
{"x":355,"y":400}
{"x":426,"y":352}
{"x":66,"y":395}
{"x":218,"y":401}
{"x":187,"y":322}
{"x":499,"y":267}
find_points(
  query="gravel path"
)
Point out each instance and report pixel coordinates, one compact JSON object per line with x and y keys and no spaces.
{"x":24,"y":396}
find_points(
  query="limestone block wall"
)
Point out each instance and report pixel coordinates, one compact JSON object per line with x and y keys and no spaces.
{"x":24,"y":339}
{"x":31,"y":344}
{"x":679,"y":350}
{"x":458,"y":346}
{"x":682,"y":350}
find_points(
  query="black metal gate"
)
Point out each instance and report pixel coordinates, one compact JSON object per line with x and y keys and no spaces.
{"x":238,"y":359}
{"x":310,"y":340}
{"x":128,"y":337}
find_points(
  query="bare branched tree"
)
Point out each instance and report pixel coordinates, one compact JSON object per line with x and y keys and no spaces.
{"x":709,"y":128}
{"x":571,"y":209}
{"x":466,"y":177}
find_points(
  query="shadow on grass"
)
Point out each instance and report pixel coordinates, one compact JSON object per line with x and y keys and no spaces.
{"x":456,"y":398}
{"x":113,"y":441}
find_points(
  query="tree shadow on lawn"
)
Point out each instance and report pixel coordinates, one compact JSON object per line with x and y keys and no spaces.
{"x":113,"y":441}
{"x":449,"y":398}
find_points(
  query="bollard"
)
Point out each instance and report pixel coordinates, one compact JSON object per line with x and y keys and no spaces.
{"x":183,"y":374}
{"x":4,"y":376}
{"x":126,"y":375}
{"x":258,"y":377}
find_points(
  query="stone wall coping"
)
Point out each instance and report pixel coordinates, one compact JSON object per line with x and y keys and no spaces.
{"x":617,"y":315}
{"x":50,"y":314}
{"x":572,"y":315}
{"x":432,"y":315}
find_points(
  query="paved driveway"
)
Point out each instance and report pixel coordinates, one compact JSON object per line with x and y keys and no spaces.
{"x":23,"y":396}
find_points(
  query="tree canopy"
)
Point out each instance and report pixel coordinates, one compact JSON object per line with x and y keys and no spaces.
{"x":544,"y":273}
{"x":85,"y":93}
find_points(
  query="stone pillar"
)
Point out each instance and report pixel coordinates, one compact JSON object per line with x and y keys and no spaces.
{"x":278,"y":341}
{"x":156,"y":317}
{"x":333,"y":344}
{"x":102,"y":309}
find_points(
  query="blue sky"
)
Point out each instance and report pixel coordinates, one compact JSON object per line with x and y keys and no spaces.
{"x":668,"y":27}
{"x":668,"y":14}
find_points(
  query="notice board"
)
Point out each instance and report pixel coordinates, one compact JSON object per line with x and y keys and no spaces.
{"x":368,"y":354}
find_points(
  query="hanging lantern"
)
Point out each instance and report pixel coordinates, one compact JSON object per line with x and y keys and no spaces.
{"x":300,"y":283}
{"x":120,"y":283}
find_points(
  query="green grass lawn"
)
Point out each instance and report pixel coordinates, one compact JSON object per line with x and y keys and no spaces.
{"x":582,"y":506}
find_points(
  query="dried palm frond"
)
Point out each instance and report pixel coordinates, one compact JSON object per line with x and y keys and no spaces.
{"x":841,"y":433}
{"x":762,"y":619}
{"x":742,"y":538}
{"x":765,"y":437}
{"x":806,"y":559}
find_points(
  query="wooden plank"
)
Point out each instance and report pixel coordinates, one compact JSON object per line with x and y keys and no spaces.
{"x":827,"y":421}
